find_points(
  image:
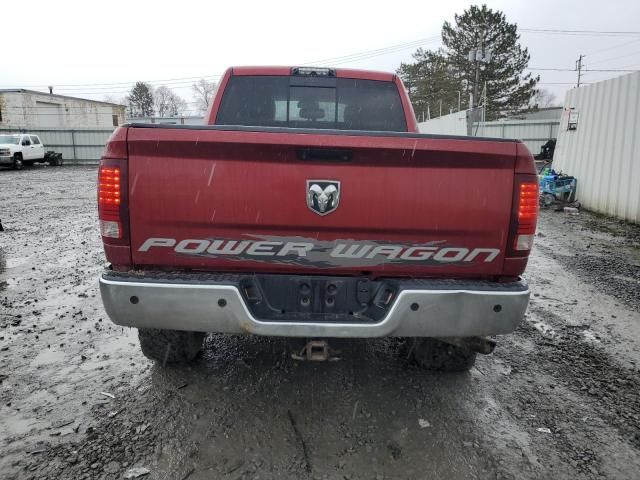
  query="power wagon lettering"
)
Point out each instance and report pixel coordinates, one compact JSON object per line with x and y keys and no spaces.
{"x":352,"y":250}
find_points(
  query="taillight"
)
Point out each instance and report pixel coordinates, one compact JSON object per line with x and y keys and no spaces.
{"x":109,"y":187}
{"x":111,"y":200}
{"x":525,"y":214}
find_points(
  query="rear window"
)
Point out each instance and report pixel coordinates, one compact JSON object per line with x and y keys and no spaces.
{"x":302,"y":102}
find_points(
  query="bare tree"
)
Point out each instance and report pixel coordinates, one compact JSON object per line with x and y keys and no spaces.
{"x":167,"y":103}
{"x":544,"y":99}
{"x":203,"y":94}
{"x":177,"y":106}
{"x":114,"y":99}
{"x":161,"y":100}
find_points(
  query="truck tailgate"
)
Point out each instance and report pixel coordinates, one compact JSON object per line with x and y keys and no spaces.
{"x":217,"y":199}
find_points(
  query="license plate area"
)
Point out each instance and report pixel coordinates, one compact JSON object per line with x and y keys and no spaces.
{"x":317,"y":298}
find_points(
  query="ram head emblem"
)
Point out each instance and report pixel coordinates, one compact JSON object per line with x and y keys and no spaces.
{"x":323,"y":196}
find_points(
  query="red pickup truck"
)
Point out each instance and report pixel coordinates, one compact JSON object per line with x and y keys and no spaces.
{"x":309,"y":206}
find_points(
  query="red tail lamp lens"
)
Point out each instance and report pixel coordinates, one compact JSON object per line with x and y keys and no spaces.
{"x":527,"y":207}
{"x":109,"y":191}
{"x":527,"y":216}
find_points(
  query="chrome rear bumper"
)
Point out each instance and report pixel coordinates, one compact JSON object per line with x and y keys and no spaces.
{"x":437,"y":311}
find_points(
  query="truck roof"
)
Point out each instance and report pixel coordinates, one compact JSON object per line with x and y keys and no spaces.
{"x":339,"y":72}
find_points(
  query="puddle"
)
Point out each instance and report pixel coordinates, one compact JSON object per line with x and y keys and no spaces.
{"x":13,"y":262}
{"x":42,"y":398}
{"x":16,"y":425}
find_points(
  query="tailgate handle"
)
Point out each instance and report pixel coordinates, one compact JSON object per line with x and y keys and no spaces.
{"x":324,"y":154}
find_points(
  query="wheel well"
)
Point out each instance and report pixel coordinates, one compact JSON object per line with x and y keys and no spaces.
{"x":17,"y":154}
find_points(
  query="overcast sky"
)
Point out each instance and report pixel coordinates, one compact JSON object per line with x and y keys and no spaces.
{"x":76,"y":45}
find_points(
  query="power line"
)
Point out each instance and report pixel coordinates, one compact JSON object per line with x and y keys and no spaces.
{"x":357,"y":56}
{"x":562,"y":83}
{"x":596,"y":33}
{"x":116,"y":83}
{"x":375,"y":52}
{"x":153,"y":83}
{"x":103,"y":92}
{"x":76,"y":107}
{"x":550,"y":69}
{"x":598,"y":52}
{"x":616,"y":58}
{"x":573,"y":69}
{"x":354,"y":57}
{"x":124,"y":87}
{"x":609,"y":70}
{"x":635,"y":65}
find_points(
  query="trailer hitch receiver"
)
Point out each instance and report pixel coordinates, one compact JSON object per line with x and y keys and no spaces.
{"x":316,"y":351}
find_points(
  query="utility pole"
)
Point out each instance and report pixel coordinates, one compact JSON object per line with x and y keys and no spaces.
{"x":579,"y":67}
{"x":484,"y":102}
{"x":479,"y":53}
{"x":480,"y":56}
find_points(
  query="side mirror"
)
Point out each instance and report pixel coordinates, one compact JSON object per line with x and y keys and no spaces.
{"x":25,"y":142}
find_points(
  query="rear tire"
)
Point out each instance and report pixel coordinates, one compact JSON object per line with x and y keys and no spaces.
{"x":432,"y":354}
{"x":17,"y":162}
{"x":170,"y":346}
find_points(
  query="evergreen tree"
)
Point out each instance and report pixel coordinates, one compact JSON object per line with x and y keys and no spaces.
{"x":140,"y":100}
{"x":430,"y":81}
{"x":509,"y":89}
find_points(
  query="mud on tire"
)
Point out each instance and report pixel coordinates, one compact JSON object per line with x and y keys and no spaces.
{"x":170,"y":346}
{"x":432,"y":354}
{"x":17,"y":161}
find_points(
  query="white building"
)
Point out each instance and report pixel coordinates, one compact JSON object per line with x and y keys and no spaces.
{"x":31,"y":110}
{"x":533,"y":128}
{"x":599,"y":144}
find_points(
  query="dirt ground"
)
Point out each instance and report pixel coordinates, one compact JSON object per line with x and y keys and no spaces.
{"x":559,"y":398}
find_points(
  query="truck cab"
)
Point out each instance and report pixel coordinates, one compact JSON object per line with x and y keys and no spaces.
{"x":20,"y":149}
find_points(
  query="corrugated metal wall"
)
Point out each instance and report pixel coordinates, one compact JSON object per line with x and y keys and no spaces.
{"x":452,"y":124}
{"x":603,"y":152}
{"x":534,"y":133}
{"x":75,"y":145}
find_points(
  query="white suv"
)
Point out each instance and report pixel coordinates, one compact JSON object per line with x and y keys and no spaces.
{"x":20,"y":149}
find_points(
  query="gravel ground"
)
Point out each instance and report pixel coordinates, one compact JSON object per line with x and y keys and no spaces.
{"x":559,"y":398}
